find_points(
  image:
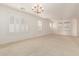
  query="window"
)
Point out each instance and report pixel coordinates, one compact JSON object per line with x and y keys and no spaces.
{"x":22,"y":25}
{"x":11,"y":24}
{"x":40,"y":25}
{"x":17,"y":25}
{"x":51,"y":25}
{"x":26,"y":28}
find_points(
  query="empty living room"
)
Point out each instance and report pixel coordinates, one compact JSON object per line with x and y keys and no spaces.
{"x":39,"y":29}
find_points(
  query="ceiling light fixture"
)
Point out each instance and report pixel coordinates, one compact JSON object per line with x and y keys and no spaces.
{"x":38,"y":8}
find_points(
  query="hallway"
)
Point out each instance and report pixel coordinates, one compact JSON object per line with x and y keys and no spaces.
{"x":43,"y":46}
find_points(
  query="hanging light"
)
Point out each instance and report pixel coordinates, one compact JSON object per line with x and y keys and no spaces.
{"x":38,"y":8}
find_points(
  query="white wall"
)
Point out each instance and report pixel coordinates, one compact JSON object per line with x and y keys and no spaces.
{"x":75,"y":26}
{"x":78,"y":26}
{"x":30,"y":20}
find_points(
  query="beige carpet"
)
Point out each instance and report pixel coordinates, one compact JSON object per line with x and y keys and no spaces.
{"x":49,"y":45}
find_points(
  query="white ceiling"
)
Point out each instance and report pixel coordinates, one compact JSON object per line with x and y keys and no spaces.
{"x":52,"y":10}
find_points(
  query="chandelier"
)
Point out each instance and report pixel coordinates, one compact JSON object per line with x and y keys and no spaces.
{"x":38,"y":8}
